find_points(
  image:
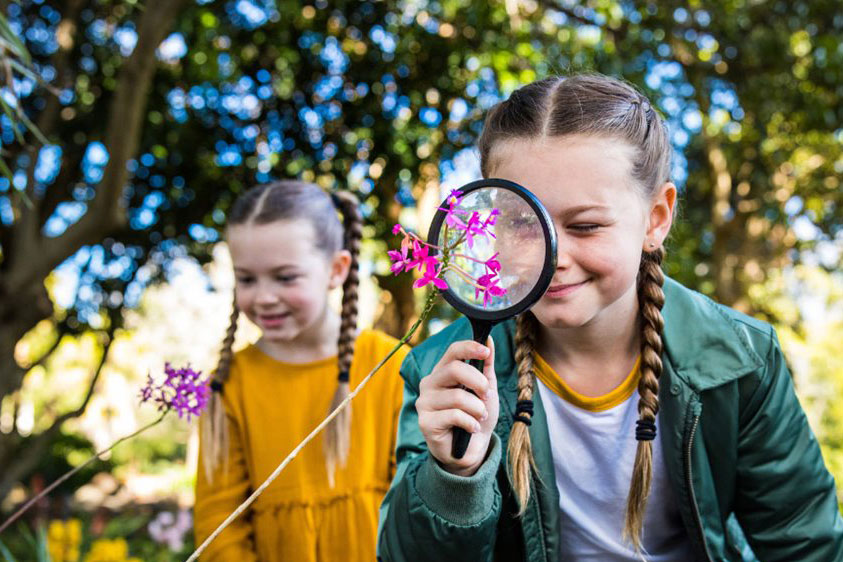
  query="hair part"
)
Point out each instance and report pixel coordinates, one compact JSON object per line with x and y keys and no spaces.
{"x":296,"y":200}
{"x":600,"y":106}
{"x":584,"y":104}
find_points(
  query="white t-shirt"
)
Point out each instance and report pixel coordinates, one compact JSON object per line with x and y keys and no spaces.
{"x":593,"y":445}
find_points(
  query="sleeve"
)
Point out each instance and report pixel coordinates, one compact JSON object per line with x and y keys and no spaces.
{"x":428,"y":513}
{"x":217,"y":498}
{"x":397,"y":401}
{"x":786,"y":501}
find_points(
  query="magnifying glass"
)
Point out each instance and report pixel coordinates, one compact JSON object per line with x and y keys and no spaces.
{"x":499,"y":271}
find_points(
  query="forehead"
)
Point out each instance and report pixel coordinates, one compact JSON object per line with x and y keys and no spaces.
{"x":570,"y":171}
{"x":264,"y":247}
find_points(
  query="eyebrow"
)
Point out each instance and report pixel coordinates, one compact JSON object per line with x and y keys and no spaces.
{"x":576,"y":210}
{"x":278,"y":269}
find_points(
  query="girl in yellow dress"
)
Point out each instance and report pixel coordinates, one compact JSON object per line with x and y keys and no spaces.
{"x":289,"y":250}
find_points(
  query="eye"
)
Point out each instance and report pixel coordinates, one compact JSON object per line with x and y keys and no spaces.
{"x":245,"y":280}
{"x":584,"y":228}
{"x":286,"y":278}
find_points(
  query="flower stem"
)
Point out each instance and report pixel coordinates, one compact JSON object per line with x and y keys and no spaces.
{"x":73,"y":471}
{"x":428,"y":306}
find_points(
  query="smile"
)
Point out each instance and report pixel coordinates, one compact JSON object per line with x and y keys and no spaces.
{"x":272,"y":320}
{"x":563,"y":290}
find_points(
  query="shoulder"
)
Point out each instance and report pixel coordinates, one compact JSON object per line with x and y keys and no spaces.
{"x":709,"y":343}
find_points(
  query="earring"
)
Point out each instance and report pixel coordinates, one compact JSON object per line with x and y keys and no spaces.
{"x":651,"y":245}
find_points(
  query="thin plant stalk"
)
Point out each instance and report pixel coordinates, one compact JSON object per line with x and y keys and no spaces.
{"x":243,"y":506}
{"x":73,"y":471}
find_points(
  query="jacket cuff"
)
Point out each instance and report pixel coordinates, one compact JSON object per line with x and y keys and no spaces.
{"x":461,"y":500}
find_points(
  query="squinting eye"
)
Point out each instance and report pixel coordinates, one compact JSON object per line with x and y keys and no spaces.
{"x":286,"y":278}
{"x":245,"y":280}
{"x":584,"y":227}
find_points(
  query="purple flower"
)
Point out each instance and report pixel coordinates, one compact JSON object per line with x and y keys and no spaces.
{"x":396,"y":229}
{"x":183,"y":390}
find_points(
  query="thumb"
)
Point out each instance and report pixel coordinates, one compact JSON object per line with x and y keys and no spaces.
{"x":489,"y":365}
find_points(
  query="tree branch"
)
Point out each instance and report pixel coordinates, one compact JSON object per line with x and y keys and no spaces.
{"x":122,"y":136}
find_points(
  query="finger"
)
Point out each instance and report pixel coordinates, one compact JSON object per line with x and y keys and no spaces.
{"x":446,"y":420}
{"x":463,"y":374}
{"x":459,"y":399}
{"x":464,"y":351}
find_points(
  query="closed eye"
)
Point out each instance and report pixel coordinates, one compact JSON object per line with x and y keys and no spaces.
{"x":584,"y":228}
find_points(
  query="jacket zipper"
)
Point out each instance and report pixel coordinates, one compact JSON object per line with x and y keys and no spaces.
{"x":689,"y":481}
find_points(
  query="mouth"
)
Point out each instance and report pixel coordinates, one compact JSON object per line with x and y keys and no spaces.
{"x":564,"y":289}
{"x":272,"y":320}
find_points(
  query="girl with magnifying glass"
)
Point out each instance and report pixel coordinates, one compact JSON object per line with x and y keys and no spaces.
{"x":624,"y":416}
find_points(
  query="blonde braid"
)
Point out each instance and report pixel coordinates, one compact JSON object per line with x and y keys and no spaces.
{"x":520,"y":449}
{"x":650,"y":302}
{"x":337,"y":440}
{"x":213,"y":427}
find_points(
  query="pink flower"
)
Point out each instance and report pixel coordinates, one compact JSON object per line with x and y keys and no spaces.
{"x":396,"y":229}
{"x":488,"y":285}
{"x":400,"y":260}
{"x":431,"y":275}
{"x":493,"y":265}
{"x":421,"y":258}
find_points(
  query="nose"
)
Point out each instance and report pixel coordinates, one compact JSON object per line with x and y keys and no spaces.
{"x":564,"y":247}
{"x":265,"y":295}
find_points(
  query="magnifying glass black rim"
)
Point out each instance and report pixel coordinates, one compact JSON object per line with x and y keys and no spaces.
{"x":548,"y":269}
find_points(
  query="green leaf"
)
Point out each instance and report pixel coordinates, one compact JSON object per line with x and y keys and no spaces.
{"x":7,"y":555}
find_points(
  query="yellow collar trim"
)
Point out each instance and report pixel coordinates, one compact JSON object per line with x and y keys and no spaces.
{"x":554,"y":382}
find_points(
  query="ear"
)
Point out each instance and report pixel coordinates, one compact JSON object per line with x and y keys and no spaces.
{"x":340,"y":266}
{"x":660,"y":217}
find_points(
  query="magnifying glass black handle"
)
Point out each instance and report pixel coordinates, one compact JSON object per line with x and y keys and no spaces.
{"x":460,"y":437}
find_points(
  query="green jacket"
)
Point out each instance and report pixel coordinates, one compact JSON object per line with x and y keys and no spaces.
{"x":741,"y":459}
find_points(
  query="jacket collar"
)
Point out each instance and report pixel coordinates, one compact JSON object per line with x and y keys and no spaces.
{"x":705,"y":342}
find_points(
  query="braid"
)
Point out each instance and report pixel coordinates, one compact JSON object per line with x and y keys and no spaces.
{"x":213,"y":426}
{"x":650,"y":302}
{"x":519,"y":449}
{"x":338,"y":434}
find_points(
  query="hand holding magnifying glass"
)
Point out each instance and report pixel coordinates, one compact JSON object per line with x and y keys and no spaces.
{"x":493,"y":277}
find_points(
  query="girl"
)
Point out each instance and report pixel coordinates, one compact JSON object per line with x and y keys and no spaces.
{"x":289,"y":250}
{"x":625,"y":416}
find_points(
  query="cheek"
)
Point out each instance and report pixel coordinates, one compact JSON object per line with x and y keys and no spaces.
{"x":616,"y":259}
{"x":242,"y":297}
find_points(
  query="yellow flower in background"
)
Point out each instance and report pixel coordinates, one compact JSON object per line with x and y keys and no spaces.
{"x":63,"y":540}
{"x":110,"y":550}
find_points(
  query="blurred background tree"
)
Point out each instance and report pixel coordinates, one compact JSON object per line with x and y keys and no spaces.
{"x":154,"y":116}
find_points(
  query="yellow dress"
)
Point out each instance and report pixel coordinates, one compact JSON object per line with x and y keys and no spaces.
{"x":271,"y":406}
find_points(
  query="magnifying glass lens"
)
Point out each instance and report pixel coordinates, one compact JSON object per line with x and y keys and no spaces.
{"x":498,"y":249}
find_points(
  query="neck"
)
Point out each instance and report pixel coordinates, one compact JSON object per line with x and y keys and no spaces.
{"x":317,"y":342}
{"x":596,"y":357}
